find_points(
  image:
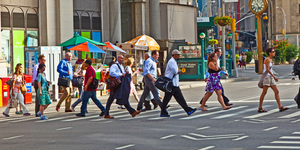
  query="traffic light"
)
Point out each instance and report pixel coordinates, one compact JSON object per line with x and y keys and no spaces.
{"x":283,"y":31}
{"x":233,"y":25}
{"x":236,"y":37}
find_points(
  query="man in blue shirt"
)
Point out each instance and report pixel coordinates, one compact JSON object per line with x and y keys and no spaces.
{"x":226,"y":100}
{"x":65,"y":69}
{"x":149,"y":79}
{"x":172,"y":73}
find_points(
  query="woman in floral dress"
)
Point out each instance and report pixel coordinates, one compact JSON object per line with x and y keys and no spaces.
{"x":213,"y":83}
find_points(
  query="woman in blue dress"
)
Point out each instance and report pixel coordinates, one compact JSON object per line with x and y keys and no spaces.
{"x":213,"y":83}
{"x":43,"y":94}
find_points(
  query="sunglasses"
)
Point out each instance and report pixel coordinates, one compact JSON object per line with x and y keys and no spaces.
{"x":272,"y":52}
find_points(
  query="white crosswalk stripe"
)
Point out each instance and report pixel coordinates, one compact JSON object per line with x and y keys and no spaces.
{"x":267,"y":113}
{"x":285,"y":141}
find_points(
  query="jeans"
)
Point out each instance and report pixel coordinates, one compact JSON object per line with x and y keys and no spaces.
{"x":18,"y":96}
{"x":86,"y":95}
{"x":80,"y":97}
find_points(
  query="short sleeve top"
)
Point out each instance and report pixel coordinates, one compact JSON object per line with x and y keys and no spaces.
{"x":43,"y":80}
{"x":18,"y":81}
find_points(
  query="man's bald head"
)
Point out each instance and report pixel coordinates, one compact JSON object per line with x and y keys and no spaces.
{"x":68,"y":56}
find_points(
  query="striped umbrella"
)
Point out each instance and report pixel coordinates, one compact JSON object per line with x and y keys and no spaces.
{"x":144,"y":41}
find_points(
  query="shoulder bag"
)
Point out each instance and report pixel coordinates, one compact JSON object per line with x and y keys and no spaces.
{"x":63,"y":81}
{"x":13,"y":103}
{"x":260,"y":83}
{"x":113,"y":83}
{"x":23,"y":86}
{"x":94,"y":84}
{"x":77,"y":81}
{"x":164,"y":83}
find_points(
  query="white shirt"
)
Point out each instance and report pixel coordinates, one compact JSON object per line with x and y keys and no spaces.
{"x":114,"y":70}
{"x":171,"y":70}
{"x":240,"y":57}
{"x":128,"y":68}
{"x":265,"y":69}
{"x":35,"y":71}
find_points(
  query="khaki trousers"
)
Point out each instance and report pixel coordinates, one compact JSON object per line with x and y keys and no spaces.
{"x":67,"y":97}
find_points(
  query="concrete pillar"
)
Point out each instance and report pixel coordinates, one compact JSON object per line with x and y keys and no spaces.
{"x":3,"y":73}
{"x":140,"y":17}
{"x":154,"y":19}
{"x":105,"y":16}
{"x":115,"y":21}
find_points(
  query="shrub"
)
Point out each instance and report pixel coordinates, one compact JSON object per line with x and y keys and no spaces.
{"x":265,"y":54}
{"x":277,"y":56}
{"x":249,"y":56}
{"x":291,"y":52}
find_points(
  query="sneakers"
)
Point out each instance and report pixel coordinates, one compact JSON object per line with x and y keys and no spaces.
{"x":44,"y":118}
{"x":38,"y":114}
{"x":161,"y":115}
{"x":102,"y":113}
{"x":26,"y":114}
{"x":191,"y":112}
{"x":121,"y":107}
{"x":6,"y":115}
{"x":80,"y":115}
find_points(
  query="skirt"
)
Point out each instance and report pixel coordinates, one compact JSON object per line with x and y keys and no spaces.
{"x":132,"y":88}
{"x":213,"y":83}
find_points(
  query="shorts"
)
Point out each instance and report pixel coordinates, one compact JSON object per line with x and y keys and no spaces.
{"x":44,"y":99}
{"x":269,"y":81}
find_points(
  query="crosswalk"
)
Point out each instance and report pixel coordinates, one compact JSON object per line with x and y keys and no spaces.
{"x":246,"y":113}
{"x":284,"y":142}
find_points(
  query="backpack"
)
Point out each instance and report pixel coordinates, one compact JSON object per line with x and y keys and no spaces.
{"x":296,"y":67}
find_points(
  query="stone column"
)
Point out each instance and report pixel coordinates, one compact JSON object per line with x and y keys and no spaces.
{"x":115,"y":21}
{"x":105,"y":16}
{"x":154,"y":19}
{"x":140,"y":16}
{"x":3,"y":73}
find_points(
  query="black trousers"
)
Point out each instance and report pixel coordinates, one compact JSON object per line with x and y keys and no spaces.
{"x":176,"y":92}
{"x":225,"y":99}
{"x":111,"y":99}
{"x":37,"y":103}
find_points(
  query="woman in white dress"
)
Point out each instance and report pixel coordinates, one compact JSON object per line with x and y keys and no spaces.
{"x":128,"y":69}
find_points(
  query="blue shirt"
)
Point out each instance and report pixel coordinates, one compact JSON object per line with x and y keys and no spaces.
{"x":171,"y":70}
{"x":150,"y":67}
{"x":63,"y":67}
{"x":114,"y":70}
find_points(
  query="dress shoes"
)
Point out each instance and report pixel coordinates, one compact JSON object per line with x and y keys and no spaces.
{"x":102,"y":114}
{"x":228,"y":104}
{"x":80,"y":115}
{"x":108,"y":117}
{"x":57,"y":108}
{"x":68,"y":110}
{"x":135,"y":113}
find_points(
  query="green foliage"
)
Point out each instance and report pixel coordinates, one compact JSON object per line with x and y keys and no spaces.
{"x":278,"y":56}
{"x":226,"y":19}
{"x":249,"y":56}
{"x":265,"y":54}
{"x":291,"y":52}
{"x":237,"y":57}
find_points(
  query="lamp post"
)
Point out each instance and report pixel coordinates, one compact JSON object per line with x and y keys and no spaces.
{"x":202,"y":36}
{"x":284,"y":22}
{"x":229,"y":37}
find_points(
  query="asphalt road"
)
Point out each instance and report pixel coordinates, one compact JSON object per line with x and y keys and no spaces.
{"x":240,"y":127}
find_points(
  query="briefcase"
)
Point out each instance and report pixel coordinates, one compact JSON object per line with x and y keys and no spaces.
{"x":63,"y":81}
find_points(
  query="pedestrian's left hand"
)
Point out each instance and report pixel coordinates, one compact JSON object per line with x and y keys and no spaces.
{"x":85,"y":88}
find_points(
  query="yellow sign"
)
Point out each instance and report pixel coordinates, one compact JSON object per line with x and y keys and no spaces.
{"x":183,"y":70}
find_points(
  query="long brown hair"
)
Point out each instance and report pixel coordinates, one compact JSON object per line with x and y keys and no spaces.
{"x":17,"y":69}
{"x":210,"y":57}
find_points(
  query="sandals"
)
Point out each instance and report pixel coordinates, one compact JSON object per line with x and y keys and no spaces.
{"x":261,"y":110}
{"x":283,"y":109}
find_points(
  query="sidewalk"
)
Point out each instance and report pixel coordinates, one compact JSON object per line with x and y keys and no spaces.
{"x":248,"y":74}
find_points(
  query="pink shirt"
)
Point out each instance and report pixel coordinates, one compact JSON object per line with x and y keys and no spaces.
{"x":18,"y":82}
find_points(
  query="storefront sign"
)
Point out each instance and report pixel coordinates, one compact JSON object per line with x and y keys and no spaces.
{"x":18,"y":47}
{"x":231,"y":1}
{"x":202,"y":19}
{"x":188,"y":67}
{"x":190,"y":51}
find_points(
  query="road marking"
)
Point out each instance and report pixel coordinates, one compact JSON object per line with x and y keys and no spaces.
{"x":126,"y":146}
{"x":295,"y":121}
{"x":295,"y":114}
{"x":203,"y":128}
{"x":280,"y":147}
{"x":296,"y":133}
{"x":165,"y":137}
{"x":66,"y":128}
{"x":175,"y":115}
{"x":81,"y":118}
{"x":14,"y":137}
{"x":123,"y":112}
{"x":270,"y":128}
{"x":189,"y":137}
{"x":266,"y":113}
{"x":290,"y":137}
{"x":240,"y":138}
{"x":207,"y":148}
{"x":53,"y":119}
{"x":137,"y":117}
{"x":212,"y":113}
{"x":105,"y":122}
{"x":286,"y":142}
{"x":225,"y":135}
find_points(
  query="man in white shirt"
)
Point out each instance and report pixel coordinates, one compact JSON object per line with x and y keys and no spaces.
{"x":172,"y":73}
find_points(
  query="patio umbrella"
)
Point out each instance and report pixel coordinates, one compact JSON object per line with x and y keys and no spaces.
{"x":111,"y":47}
{"x":145,"y":41}
{"x":77,"y":39}
{"x":86,"y":47}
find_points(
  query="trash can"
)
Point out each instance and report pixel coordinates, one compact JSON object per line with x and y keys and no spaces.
{"x":256,"y":66}
{"x":5,"y":91}
{"x":28,"y":94}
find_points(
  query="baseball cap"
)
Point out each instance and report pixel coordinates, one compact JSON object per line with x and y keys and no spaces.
{"x":176,"y":51}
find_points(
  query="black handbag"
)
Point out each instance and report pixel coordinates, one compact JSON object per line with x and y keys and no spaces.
{"x":77,"y":81}
{"x":113,"y":83}
{"x":63,"y":81}
{"x":94,"y":84}
{"x":164,"y":84}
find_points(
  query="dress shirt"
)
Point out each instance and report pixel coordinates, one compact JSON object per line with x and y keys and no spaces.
{"x":35,"y":72}
{"x":207,"y":73}
{"x":150,"y":67}
{"x":63,"y":67}
{"x":114,"y":70}
{"x":171,"y":70}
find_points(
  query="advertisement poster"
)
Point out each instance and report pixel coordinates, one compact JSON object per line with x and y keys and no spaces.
{"x":31,"y":59}
{"x":18,"y":47}
{"x":88,"y":36}
{"x":190,"y":51}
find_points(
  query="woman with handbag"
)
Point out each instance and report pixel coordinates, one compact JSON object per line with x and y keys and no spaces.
{"x":79,"y":73}
{"x":18,"y":86}
{"x":213,"y":82}
{"x":43,"y":93}
{"x":269,"y":80}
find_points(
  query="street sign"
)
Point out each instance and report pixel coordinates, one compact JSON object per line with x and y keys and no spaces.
{"x":202,"y":19}
{"x":231,"y":1}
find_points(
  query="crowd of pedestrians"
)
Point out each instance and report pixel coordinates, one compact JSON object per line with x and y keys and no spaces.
{"x":121,"y":69}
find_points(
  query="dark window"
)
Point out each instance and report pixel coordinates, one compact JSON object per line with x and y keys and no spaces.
{"x":32,"y":21}
{"x":5,"y":19}
{"x":18,"y":20}
{"x":85,"y":22}
{"x":96,"y":23}
{"x":76,"y":22}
